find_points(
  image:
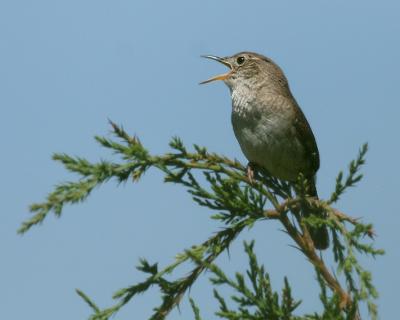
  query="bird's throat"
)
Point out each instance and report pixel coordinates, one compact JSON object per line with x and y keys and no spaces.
{"x":242,"y":98}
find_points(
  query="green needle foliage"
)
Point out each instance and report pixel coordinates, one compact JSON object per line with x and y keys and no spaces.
{"x":256,"y":300}
{"x":238,"y":204}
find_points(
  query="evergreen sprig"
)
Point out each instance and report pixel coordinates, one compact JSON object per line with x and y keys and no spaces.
{"x":256,"y":299}
{"x":353,"y":177}
{"x":238,"y":203}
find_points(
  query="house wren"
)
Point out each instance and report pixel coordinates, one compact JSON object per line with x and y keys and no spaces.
{"x":272,"y":131}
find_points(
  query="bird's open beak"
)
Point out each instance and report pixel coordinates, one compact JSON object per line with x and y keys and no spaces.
{"x":220,"y":76}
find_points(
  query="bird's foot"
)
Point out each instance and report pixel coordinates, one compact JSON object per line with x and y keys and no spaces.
{"x":250,"y":172}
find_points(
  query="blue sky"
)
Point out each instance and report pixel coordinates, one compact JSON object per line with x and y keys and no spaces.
{"x":68,"y":66}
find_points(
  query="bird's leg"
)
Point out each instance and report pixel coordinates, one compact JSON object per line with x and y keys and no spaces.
{"x":250,"y":172}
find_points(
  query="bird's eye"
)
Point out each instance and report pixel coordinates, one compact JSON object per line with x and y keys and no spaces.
{"x":240,"y":60}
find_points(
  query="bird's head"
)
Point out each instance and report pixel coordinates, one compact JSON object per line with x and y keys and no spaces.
{"x":250,"y":69}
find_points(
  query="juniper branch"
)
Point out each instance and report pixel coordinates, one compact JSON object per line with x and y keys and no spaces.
{"x":353,"y":177}
{"x":173,"y":291}
{"x":239,"y":203}
{"x":254,"y":294}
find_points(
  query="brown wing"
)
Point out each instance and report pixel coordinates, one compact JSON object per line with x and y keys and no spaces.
{"x":307,"y":139}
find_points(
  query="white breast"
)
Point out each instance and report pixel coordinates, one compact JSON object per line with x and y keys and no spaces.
{"x":265,"y":134}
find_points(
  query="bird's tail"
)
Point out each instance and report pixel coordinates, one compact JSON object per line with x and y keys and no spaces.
{"x":319,"y":235}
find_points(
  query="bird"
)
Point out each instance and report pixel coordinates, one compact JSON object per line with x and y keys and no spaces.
{"x":272,"y":130}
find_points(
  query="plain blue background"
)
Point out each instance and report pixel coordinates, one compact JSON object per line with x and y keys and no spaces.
{"x":67,"y":66}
